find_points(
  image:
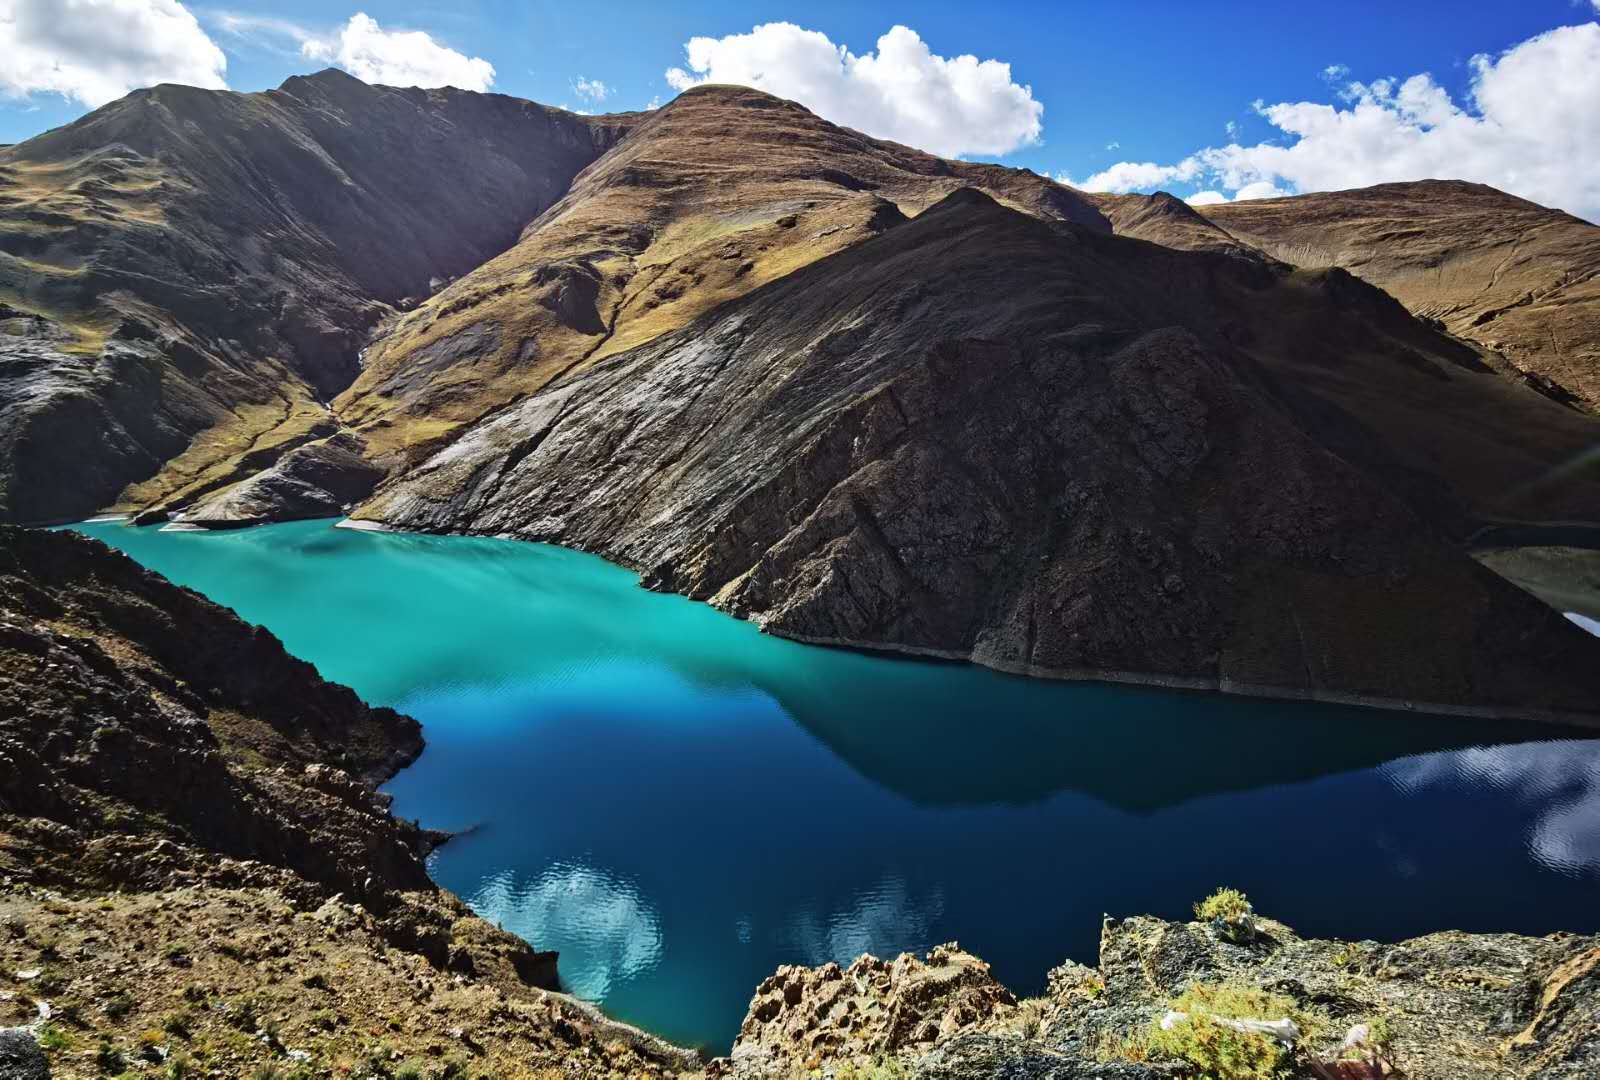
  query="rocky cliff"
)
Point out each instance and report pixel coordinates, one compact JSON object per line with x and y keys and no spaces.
{"x":1060,"y":452}
{"x":186,"y":276}
{"x":197,"y":871}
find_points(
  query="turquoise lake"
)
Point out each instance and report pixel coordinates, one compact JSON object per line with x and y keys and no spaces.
{"x":679,"y":803}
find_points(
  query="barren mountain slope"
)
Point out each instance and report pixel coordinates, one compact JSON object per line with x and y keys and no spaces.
{"x":1507,"y":273}
{"x":713,"y":195}
{"x":1061,"y":452}
{"x":1165,"y":219}
{"x":187,"y":274}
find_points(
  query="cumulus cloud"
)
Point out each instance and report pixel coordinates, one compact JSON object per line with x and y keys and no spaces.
{"x":94,"y":51}
{"x":901,"y":91}
{"x":1136,"y":175}
{"x":1529,"y":126}
{"x":592,"y":89}
{"x":397,"y":57}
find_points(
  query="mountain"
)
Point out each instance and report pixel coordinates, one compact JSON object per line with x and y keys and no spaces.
{"x":852,"y":391}
{"x":1051,"y":450}
{"x":1517,"y":278}
{"x":717,"y":193}
{"x":187,"y":276}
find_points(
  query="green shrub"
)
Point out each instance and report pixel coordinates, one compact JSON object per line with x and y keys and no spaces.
{"x":1227,"y":904}
{"x":1218,"y":1051}
{"x":53,"y":1038}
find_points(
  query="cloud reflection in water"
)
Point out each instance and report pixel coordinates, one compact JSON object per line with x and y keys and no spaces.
{"x":608,"y":930}
{"x":1557,"y":784}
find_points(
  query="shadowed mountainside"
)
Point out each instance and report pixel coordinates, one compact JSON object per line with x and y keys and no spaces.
{"x":1060,"y":452}
{"x":1511,"y":275}
{"x":187,"y":275}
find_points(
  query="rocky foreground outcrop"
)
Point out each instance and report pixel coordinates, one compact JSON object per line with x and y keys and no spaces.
{"x":1217,"y":998}
{"x":196,"y":868}
{"x":1060,"y":452}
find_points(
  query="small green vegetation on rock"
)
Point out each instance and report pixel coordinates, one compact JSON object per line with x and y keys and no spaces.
{"x":1225,"y":903}
{"x":1214,"y":1048}
{"x":53,"y":1038}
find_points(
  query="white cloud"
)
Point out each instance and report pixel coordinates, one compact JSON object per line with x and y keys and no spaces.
{"x":396,"y":57}
{"x":1261,"y":189}
{"x":593,"y":89}
{"x":1530,"y":126}
{"x":95,"y":51}
{"x":1206,"y":198}
{"x":1232,"y":128}
{"x":1134,"y":175}
{"x":1118,"y":146}
{"x":902,"y":91}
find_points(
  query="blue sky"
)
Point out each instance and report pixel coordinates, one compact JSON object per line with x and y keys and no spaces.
{"x":1160,"y":81}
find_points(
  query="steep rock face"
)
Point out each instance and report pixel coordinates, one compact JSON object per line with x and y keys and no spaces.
{"x":711,"y":196}
{"x":1518,"y":278}
{"x":1057,"y":452}
{"x":127,"y":699}
{"x":186,"y":261}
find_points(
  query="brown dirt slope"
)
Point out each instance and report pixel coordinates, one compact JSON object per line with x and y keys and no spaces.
{"x":1062,"y":452}
{"x":1518,"y":278}
{"x":189,"y":870}
{"x":715,"y":194}
{"x":190,"y":273}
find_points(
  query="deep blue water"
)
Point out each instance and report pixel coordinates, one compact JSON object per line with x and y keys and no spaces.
{"x":679,"y":803}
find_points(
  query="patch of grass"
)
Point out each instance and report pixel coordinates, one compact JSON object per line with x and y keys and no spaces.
{"x":178,"y":1024}
{"x":52,"y":1038}
{"x":117,"y":1006}
{"x":1223,"y":904}
{"x":245,"y":1014}
{"x":884,"y":1068}
{"x":108,"y":1059}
